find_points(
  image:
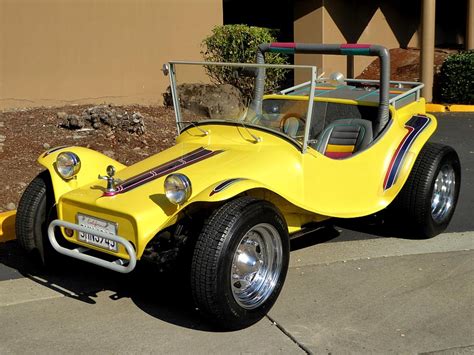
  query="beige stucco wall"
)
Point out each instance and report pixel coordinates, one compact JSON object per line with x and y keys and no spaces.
{"x":55,"y":52}
{"x":340,"y":21}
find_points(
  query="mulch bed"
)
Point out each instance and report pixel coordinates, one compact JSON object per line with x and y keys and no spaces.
{"x":26,"y":133}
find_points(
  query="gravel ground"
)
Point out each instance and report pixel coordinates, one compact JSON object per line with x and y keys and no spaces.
{"x":26,"y":133}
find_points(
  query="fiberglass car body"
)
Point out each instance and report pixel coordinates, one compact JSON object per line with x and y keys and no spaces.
{"x":234,"y":189}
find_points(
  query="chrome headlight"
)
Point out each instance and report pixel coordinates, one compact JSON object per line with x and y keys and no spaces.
{"x":68,"y":164}
{"x":177,"y":188}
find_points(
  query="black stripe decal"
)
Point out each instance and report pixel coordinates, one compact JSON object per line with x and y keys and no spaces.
{"x":224,"y":185}
{"x":164,"y":169}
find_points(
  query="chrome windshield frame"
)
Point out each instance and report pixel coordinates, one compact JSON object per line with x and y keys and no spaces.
{"x":170,"y":70}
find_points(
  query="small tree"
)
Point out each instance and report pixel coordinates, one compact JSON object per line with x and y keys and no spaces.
{"x":238,"y":44}
{"x":456,"y":78}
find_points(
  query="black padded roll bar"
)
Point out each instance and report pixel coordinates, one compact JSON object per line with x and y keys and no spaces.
{"x":338,"y":49}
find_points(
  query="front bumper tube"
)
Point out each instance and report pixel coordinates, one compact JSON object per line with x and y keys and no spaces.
{"x":119,"y":265}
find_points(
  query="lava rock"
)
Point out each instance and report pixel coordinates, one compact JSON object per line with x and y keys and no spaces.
{"x":75,"y":122}
{"x":106,"y":116}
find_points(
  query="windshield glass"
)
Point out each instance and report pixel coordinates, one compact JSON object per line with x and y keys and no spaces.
{"x":247,"y":95}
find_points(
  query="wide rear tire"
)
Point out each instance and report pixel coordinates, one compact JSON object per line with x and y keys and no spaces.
{"x":240,"y":262}
{"x":425,"y":205}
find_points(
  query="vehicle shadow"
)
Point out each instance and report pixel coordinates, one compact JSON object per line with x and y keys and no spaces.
{"x":323,"y":234}
{"x":163,"y":295}
{"x":374,"y":226}
{"x":353,"y":229}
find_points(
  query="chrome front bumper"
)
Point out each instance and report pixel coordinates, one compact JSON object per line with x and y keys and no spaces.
{"x":119,"y":265}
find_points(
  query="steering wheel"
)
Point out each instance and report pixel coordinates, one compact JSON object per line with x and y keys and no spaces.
{"x":289,"y":116}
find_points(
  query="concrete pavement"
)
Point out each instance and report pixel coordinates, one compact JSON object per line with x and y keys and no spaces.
{"x":377,"y":295}
{"x":381,"y":295}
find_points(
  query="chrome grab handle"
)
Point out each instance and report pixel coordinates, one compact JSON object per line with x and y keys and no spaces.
{"x":111,"y":182}
{"x":120,"y":265}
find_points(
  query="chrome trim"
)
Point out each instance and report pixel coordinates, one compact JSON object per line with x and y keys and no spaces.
{"x":119,"y":265}
{"x":76,"y":161}
{"x":444,"y":190}
{"x":187,"y":187}
{"x":249,"y":65}
{"x":256,"y":266}
{"x":111,"y":181}
{"x":174,"y":97}
{"x":309,"y":114}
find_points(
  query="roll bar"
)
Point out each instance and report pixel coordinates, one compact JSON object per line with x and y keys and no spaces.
{"x":337,"y":49}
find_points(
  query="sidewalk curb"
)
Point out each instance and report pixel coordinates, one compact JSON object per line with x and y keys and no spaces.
{"x":435,"y":108}
{"x":461,"y":108}
{"x":7,"y":226}
{"x":449,"y":108}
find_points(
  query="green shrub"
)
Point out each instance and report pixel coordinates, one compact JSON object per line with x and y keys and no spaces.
{"x":456,"y":79}
{"x":238,"y":44}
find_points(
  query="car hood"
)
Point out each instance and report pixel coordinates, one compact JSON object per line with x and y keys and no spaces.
{"x":213,"y":164}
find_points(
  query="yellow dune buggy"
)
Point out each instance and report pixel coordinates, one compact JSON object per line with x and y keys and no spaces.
{"x":242,"y":179}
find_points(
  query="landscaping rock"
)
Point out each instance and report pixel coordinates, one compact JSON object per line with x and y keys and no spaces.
{"x":61,"y":115}
{"x":210,"y":101}
{"x":107,"y":116}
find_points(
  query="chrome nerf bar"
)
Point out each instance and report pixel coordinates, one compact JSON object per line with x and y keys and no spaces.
{"x":120,"y":265}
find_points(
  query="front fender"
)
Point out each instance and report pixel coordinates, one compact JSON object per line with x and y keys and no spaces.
{"x":226,"y":189}
{"x":92,"y":164}
{"x":295,"y":216}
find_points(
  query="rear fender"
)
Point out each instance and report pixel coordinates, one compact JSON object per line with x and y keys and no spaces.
{"x":406,"y":165}
{"x":92,"y":164}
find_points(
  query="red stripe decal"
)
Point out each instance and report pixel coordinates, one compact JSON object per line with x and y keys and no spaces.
{"x":355,"y":45}
{"x":283,"y":45}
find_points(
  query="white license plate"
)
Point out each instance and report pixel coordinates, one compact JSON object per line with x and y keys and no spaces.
{"x":99,"y":225}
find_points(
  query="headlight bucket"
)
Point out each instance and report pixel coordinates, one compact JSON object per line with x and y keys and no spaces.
{"x":177,"y":188}
{"x":68,"y":165}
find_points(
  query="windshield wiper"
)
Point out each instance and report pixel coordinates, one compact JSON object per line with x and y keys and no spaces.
{"x":194,"y":123}
{"x":242,"y":121}
{"x":256,"y":138}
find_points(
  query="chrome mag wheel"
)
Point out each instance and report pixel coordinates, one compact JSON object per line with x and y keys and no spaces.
{"x":256,"y":266}
{"x":442,"y":199}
